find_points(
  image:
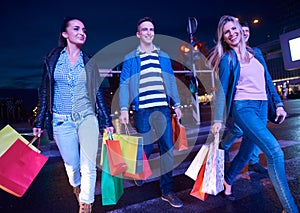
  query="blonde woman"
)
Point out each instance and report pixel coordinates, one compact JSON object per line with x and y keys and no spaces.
{"x":243,"y":81}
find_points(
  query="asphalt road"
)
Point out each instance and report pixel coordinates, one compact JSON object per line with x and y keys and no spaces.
{"x":50,"y":191}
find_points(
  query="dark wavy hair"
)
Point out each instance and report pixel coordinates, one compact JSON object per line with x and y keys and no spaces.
{"x":62,"y":42}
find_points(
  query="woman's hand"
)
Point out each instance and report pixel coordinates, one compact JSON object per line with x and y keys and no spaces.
{"x":37,"y":131}
{"x":280,"y":114}
{"x":109,"y":129}
{"x":216,"y":127}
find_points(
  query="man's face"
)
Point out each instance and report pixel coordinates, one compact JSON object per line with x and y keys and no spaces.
{"x":246,"y":32}
{"x":146,"y":32}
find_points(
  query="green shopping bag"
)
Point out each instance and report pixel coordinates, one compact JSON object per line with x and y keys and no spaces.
{"x":111,"y":186}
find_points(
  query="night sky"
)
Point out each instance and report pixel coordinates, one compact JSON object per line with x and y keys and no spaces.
{"x":29,"y":29}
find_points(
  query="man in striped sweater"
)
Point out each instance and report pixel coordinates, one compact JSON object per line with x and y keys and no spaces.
{"x":148,"y":85}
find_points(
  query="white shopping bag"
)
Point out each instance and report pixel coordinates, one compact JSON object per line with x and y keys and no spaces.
{"x":196,"y":164}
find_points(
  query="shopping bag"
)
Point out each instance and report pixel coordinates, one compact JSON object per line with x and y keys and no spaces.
{"x":8,"y":136}
{"x":104,"y":138}
{"x":197,"y":187}
{"x":175,"y":128}
{"x":19,"y":166}
{"x":214,"y":171}
{"x":111,"y":186}
{"x":147,"y":172}
{"x":132,"y":149}
{"x":196,"y":164}
{"x":116,"y":161}
{"x":179,"y":135}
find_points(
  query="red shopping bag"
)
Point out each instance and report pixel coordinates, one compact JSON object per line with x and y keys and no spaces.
{"x":179,"y":135}
{"x":19,"y":166}
{"x":197,"y":188}
{"x":147,"y":172}
{"x":116,"y":161}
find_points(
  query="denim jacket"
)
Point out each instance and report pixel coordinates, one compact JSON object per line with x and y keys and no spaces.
{"x":229,"y":73}
{"x":130,"y":76}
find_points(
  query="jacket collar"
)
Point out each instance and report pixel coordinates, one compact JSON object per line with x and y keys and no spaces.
{"x":139,"y":51}
{"x":55,"y":53}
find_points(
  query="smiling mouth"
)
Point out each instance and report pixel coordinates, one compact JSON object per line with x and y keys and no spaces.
{"x":234,"y":38}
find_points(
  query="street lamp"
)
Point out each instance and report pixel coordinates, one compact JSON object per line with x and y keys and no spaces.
{"x":255,"y":21}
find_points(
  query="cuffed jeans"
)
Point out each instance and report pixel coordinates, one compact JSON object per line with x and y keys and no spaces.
{"x":77,"y":140}
{"x":251,"y":117}
{"x":158,"y":119}
{"x":232,"y":135}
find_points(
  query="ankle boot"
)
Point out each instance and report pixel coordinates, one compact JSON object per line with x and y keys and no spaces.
{"x":85,"y":208}
{"x":76,"y":191}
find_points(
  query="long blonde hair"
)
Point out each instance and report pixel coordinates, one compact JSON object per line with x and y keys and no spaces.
{"x":222,"y":47}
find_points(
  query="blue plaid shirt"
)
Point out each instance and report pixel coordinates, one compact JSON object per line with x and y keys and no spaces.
{"x":70,"y":93}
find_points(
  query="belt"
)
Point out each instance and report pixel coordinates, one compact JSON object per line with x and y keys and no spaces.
{"x":80,"y":115}
{"x":74,"y":116}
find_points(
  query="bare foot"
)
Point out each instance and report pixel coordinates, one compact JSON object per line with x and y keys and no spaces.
{"x":227,"y":188}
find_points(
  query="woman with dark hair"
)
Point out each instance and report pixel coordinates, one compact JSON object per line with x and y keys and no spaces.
{"x":243,"y":82}
{"x":68,"y":95}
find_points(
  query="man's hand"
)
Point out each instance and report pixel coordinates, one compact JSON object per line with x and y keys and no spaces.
{"x":178,"y":113}
{"x":124,"y":117}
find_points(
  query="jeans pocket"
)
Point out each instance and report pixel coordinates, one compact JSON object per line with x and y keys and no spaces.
{"x":57,"y":122}
{"x":241,"y":104}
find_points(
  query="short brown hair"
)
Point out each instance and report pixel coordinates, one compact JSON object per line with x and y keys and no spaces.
{"x":244,"y":24}
{"x":144,"y":20}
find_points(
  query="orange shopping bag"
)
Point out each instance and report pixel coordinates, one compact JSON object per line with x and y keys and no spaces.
{"x":179,"y":135}
{"x":116,"y":161}
{"x":197,"y":188}
{"x":147,"y":172}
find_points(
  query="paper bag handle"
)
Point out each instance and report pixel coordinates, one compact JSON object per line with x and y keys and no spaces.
{"x":33,"y":139}
{"x":126,"y":129}
{"x":217,"y":139}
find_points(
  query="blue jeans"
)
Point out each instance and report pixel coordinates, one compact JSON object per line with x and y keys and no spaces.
{"x":80,"y":163}
{"x":251,"y":117}
{"x":232,"y":135}
{"x":155,"y":123}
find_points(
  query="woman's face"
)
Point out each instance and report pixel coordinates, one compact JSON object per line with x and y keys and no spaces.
{"x":231,"y":34}
{"x":75,"y":32}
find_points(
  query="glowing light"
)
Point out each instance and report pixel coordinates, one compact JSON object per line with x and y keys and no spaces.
{"x":255,"y":21}
{"x":184,"y":49}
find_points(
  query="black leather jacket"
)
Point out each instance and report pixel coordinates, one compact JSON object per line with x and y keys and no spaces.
{"x":45,"y":101}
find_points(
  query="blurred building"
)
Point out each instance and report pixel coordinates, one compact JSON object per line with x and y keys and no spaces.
{"x":288,"y":19}
{"x":17,"y":105}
